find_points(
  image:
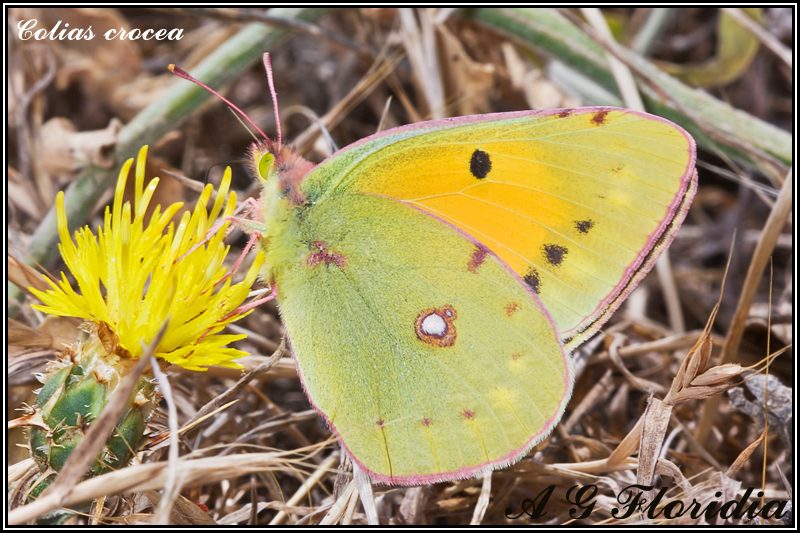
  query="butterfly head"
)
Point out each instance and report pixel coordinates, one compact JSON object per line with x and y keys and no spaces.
{"x":274,"y":163}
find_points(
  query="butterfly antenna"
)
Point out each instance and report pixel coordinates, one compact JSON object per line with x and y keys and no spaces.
{"x":273,"y":93}
{"x":178,"y":71}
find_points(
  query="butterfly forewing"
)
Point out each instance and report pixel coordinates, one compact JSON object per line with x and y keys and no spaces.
{"x":577,"y":202}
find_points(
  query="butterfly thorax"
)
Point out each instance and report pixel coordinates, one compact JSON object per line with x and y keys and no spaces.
{"x":281,"y":171}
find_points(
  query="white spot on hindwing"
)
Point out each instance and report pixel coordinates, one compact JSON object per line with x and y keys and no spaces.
{"x":433,"y":324}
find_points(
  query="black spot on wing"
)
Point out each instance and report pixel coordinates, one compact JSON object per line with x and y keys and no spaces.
{"x":480,"y":164}
{"x":583,"y":226}
{"x":532,"y":279}
{"x":554,"y":254}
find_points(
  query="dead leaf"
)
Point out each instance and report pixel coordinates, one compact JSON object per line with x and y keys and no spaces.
{"x":452,"y":505}
{"x":64,"y":330}
{"x":736,"y":49}
{"x":24,"y":276}
{"x":23,"y":367}
{"x":413,"y":505}
{"x":23,"y":195}
{"x":67,"y":152}
{"x":22,"y":335}
{"x":745,"y":455}
{"x":656,"y":421}
{"x":184,"y":513}
{"x":100,"y":69}
{"x":717,"y":375}
{"x":779,"y":403}
{"x":668,"y":468}
{"x":541,"y":93}
{"x":468,"y":84}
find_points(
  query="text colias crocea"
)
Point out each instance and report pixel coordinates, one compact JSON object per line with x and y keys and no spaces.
{"x":433,"y":278}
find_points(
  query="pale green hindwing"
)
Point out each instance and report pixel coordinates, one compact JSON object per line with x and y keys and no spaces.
{"x":424,"y":352}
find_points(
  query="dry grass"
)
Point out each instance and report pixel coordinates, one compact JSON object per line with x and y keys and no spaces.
{"x":670,"y":394}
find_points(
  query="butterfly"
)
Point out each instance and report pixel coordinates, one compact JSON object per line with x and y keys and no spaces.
{"x":433,"y":278}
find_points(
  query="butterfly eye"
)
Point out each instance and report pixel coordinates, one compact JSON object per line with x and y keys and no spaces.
{"x":265,"y":165}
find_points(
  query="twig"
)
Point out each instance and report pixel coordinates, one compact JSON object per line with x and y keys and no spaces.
{"x":323,"y":470}
{"x":172,"y":486}
{"x":769,"y":237}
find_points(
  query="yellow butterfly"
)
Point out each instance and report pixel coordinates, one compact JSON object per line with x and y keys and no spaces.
{"x":433,"y":278}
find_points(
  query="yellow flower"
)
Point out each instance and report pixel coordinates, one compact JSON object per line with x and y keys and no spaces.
{"x":145,"y":278}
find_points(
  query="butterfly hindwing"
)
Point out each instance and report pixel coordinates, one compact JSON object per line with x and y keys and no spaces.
{"x":423,"y":350}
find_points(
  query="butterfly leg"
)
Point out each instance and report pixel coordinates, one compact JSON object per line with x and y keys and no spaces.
{"x":246,"y":208}
{"x":241,"y":310}
{"x":252,"y":305}
{"x":250,"y":242}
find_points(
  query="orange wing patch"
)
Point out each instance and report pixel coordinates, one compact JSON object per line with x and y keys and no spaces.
{"x":573,"y":202}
